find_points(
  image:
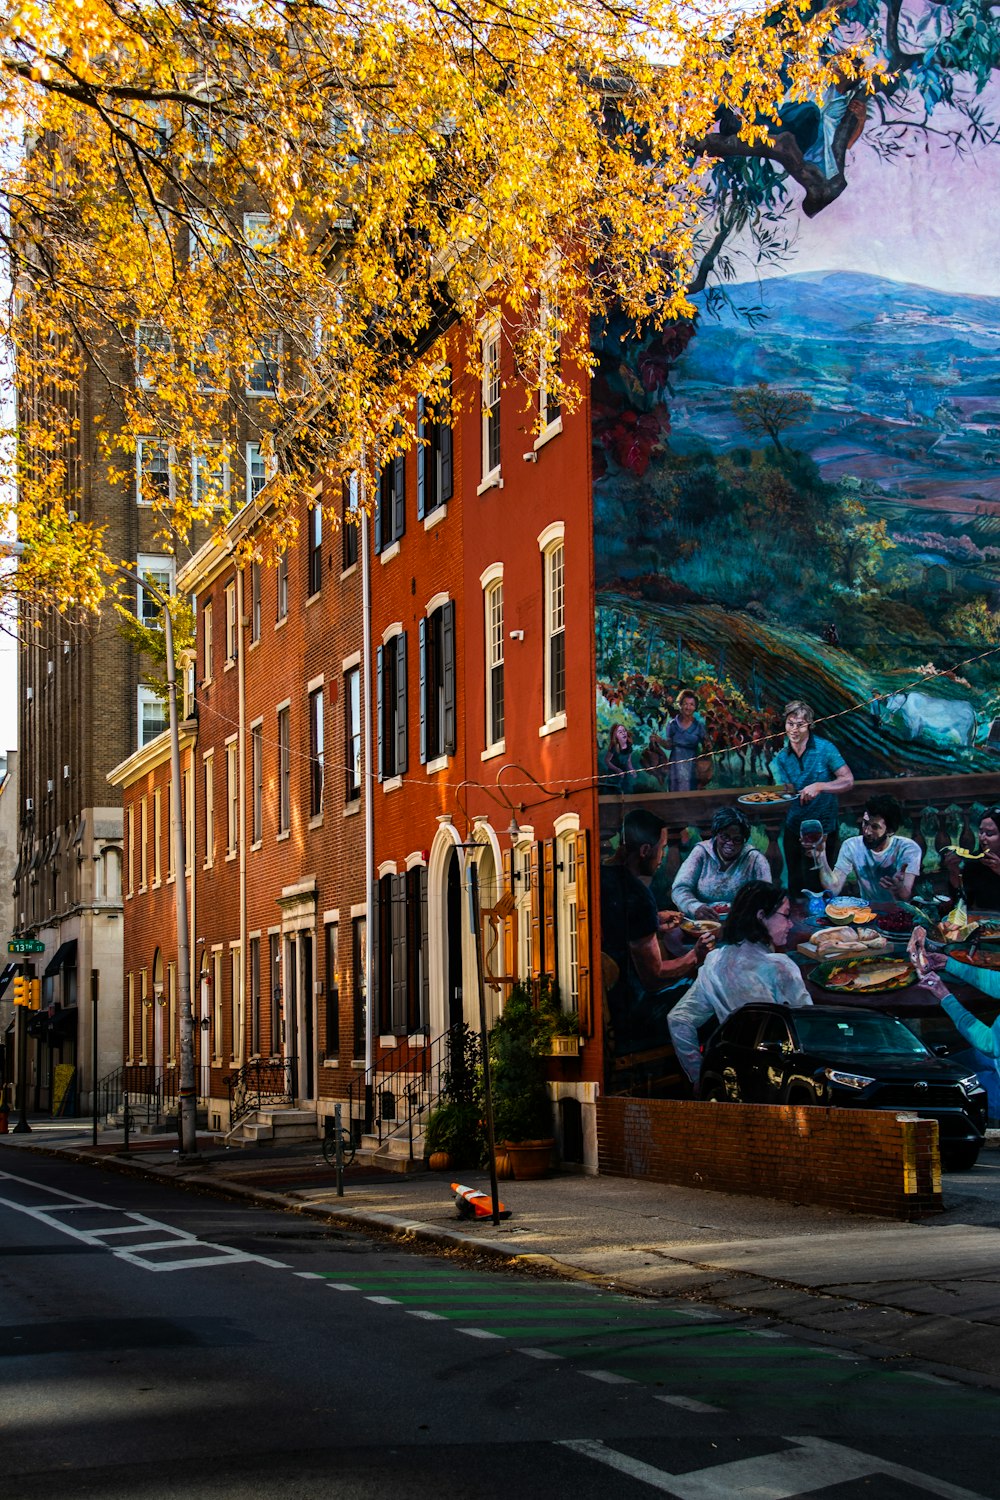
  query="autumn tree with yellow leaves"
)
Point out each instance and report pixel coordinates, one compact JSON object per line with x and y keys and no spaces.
{"x":205,"y":197}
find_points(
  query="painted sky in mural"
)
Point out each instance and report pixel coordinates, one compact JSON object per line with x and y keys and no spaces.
{"x":800,"y":497}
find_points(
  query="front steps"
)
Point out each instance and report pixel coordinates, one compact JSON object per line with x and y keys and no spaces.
{"x":274,"y":1126}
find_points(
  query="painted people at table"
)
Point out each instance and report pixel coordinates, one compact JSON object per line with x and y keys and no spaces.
{"x":630,"y":934}
{"x":717,"y":867}
{"x":985,"y":1039}
{"x":978,"y":880}
{"x":685,"y":735}
{"x":815,"y":770}
{"x":619,"y":772}
{"x":746,"y":966}
{"x":884,"y":863}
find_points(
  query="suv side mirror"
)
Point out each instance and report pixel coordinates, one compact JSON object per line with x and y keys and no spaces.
{"x":771,"y":1049}
{"x":941,"y":1050}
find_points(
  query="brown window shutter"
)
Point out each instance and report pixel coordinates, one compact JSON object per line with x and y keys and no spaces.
{"x":510,"y":923}
{"x":583,"y":934}
{"x":536,"y":911}
{"x":550,"y":959}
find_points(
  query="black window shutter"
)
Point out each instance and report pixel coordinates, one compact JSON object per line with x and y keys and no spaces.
{"x":375,"y":938}
{"x":448,"y":663}
{"x":378,"y":511}
{"x":422,"y":636}
{"x":385,"y":954}
{"x":423,"y":454}
{"x":424,"y":980}
{"x":399,"y":1017}
{"x":380,"y":710}
{"x":399,"y":496}
{"x":401,"y":761}
{"x":444,"y":440}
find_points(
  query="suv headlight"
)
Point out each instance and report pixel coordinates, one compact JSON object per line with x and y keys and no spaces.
{"x":971,"y":1085}
{"x":847,"y":1080}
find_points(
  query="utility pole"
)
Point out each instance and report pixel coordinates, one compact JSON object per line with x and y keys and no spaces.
{"x":187,"y":1101}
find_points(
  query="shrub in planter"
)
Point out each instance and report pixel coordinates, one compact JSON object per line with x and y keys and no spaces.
{"x":455,"y":1123}
{"x":518,"y":1041}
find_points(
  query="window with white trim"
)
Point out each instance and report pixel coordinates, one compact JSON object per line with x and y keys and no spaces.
{"x":207,"y":364}
{"x":143,"y":842}
{"x":232,"y":624}
{"x":391,"y":696}
{"x":152,"y":341}
{"x":207,"y":642}
{"x":157,"y":835}
{"x":352,"y":734}
{"x":284,"y":769}
{"x":490,"y":357}
{"x":493,"y":607}
{"x":254,"y":600}
{"x":522,"y":905}
{"x":550,"y":357}
{"x":209,"y":809}
{"x":554,"y":564}
{"x":350,"y":523}
{"x":257,"y":782}
{"x":232,"y":797}
{"x":153,"y":471}
{"x":281,"y":580}
{"x":260,"y":233}
{"x":207,"y":240}
{"x":390,"y":502}
{"x":568,"y":927}
{"x":435,"y":465}
{"x":152,"y":714}
{"x":264,"y":369}
{"x":259,"y":469}
{"x":437,"y":683}
{"x":158,"y":571}
{"x":316,"y":752}
{"x":314,"y":548}
{"x":209,"y":476}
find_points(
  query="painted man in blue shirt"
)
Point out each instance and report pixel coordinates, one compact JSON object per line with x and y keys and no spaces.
{"x":816,"y":770}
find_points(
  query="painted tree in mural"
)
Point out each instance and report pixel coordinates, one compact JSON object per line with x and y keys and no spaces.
{"x":206,"y":203}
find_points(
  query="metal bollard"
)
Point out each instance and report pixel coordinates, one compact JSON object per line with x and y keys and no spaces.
{"x":340,"y":1150}
{"x":127,"y":1119}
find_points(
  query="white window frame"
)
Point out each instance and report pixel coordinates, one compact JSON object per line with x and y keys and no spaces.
{"x":208,"y":781}
{"x":493,"y":633}
{"x":142,"y":445}
{"x":232,"y":797}
{"x":260,"y":233}
{"x":153,"y":565}
{"x":203,"y":472}
{"x":257,"y":782}
{"x":208,"y":642}
{"x":552,"y":544}
{"x":236,"y":1000}
{"x":146,"y":697}
{"x":232,"y":625}
{"x":284,"y":717}
{"x":568,"y":957}
{"x":157,"y":836}
{"x":210,"y":346}
{"x":522,"y":905}
{"x":150,"y":339}
{"x":253,"y":389}
{"x":259,"y":470}
{"x":548,"y":313}
{"x":490,"y":400}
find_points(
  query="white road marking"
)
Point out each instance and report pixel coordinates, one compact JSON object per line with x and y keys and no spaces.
{"x":812,"y":1464}
{"x":767,"y":1333}
{"x":167,"y":1238}
{"x":698,"y":1312}
{"x":480,"y":1333}
{"x":428,"y":1317}
{"x":384,"y":1301}
{"x":688,"y":1403}
{"x":342,"y":1286}
{"x":609,"y":1377}
{"x":540,"y":1354}
{"x":309,"y":1275}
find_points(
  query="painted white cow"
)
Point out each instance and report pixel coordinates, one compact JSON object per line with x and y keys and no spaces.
{"x":951,"y":720}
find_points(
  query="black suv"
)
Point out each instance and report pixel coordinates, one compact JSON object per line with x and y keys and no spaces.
{"x":843,"y":1055}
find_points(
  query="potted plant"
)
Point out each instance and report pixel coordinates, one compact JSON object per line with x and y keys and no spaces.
{"x":453,"y":1132}
{"x":559,"y":1029}
{"x":522,"y":1113}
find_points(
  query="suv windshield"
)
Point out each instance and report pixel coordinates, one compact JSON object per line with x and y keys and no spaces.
{"x":871,"y":1036}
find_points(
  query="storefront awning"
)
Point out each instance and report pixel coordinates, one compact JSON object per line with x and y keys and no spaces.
{"x":63,"y":958}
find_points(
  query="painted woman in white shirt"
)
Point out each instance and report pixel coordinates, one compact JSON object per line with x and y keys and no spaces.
{"x":744,"y":968}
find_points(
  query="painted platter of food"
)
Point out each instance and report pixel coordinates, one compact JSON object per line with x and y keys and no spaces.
{"x":980,"y":958}
{"x":864,"y":976}
{"x":762,"y":799}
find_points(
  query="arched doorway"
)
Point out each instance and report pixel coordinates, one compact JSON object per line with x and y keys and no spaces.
{"x":454,"y":991}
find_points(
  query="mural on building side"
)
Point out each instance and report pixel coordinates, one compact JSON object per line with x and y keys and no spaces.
{"x":797,"y":497}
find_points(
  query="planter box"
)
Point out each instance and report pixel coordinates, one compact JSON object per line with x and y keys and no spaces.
{"x":565,"y":1046}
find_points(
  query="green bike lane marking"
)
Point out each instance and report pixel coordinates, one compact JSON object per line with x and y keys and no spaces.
{"x":644,"y":1345}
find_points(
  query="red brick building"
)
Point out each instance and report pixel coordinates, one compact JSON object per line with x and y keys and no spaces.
{"x":389,"y":693}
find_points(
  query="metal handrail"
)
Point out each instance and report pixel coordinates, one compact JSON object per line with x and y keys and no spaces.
{"x":152,"y":1091}
{"x":404,"y":1085}
{"x":263,"y":1081}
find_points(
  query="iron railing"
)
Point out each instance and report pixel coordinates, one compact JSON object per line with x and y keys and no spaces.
{"x":262,"y":1082}
{"x":152,"y":1091}
{"x":403,"y":1086}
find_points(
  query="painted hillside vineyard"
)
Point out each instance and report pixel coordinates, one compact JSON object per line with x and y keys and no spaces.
{"x":802,"y":502}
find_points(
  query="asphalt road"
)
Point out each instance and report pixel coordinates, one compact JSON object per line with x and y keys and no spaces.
{"x":156,"y":1343}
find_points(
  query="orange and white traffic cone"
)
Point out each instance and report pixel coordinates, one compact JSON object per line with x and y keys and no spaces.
{"x":472,"y":1204}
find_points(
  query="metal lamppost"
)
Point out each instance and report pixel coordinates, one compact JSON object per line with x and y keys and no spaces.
{"x":187,"y":1092}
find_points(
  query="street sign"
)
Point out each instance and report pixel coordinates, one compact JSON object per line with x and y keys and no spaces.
{"x":25,"y":945}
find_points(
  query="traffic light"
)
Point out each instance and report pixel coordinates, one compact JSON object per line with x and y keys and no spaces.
{"x":20,"y":989}
{"x":35,"y":994}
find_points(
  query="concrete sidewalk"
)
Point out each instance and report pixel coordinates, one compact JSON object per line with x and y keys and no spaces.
{"x":927,"y":1291}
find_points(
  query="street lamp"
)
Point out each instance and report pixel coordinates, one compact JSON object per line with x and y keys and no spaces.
{"x":187,"y":1101}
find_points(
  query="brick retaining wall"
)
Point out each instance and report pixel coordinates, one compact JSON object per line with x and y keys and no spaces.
{"x":861,"y":1161}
